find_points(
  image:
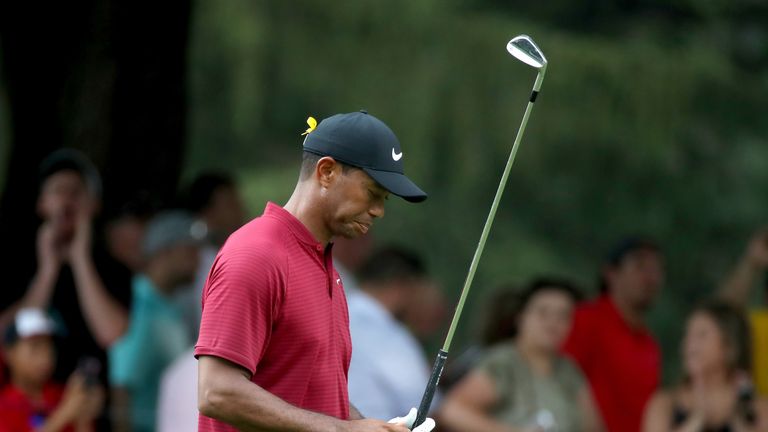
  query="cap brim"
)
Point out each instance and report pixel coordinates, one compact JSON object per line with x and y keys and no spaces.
{"x":398,"y":184}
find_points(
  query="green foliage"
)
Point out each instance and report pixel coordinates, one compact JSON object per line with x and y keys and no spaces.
{"x":631,"y":134}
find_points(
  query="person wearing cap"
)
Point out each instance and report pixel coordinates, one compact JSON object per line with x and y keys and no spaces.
{"x":274,"y":345}
{"x":156,"y":333}
{"x":609,"y":339}
{"x":74,"y":278}
{"x":32,"y":401}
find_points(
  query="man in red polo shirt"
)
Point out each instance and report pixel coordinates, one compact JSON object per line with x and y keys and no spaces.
{"x":274,"y":345}
{"x":609,"y":340}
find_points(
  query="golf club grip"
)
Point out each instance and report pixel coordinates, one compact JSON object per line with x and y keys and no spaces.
{"x":429,"y":392}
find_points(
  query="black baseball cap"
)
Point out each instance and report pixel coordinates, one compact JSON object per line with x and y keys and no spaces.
{"x":71,"y":159}
{"x":622,"y":248}
{"x":361,"y":140}
{"x":628,"y":245}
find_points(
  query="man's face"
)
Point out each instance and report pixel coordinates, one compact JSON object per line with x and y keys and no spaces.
{"x":638,"y":277}
{"x":425,"y":308}
{"x":353,"y":201}
{"x":124,"y":237}
{"x":226,"y":212}
{"x":63,"y":196}
{"x":183,"y":261}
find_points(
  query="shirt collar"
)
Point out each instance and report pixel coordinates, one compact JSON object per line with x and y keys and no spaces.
{"x":612,"y":310}
{"x":295,"y":226}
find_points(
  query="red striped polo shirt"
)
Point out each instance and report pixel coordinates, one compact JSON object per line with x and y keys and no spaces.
{"x":274,"y":304}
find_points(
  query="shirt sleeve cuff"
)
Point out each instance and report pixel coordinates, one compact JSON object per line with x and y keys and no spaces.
{"x":229,"y":355}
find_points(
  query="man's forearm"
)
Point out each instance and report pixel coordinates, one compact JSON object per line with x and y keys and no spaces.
{"x":38,"y":294}
{"x":235,"y":400}
{"x":106,"y":318}
{"x":740,"y":281}
{"x":41,"y":288}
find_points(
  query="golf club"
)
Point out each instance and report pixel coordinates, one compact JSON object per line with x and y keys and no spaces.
{"x":524,"y":49}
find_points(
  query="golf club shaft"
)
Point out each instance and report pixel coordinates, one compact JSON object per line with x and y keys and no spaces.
{"x":437,"y":368}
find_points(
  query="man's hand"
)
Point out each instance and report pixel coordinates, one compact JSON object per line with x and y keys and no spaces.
{"x":80,"y":403}
{"x":408,"y":420}
{"x":757,"y":250}
{"x":79,"y":249}
{"x":49,"y":249}
{"x":371,"y":425}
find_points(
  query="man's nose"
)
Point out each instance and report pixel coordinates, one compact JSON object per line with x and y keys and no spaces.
{"x":377,"y":209}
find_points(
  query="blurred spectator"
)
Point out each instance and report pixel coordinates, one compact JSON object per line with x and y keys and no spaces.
{"x":177,"y":401}
{"x":86,"y":290}
{"x":32,"y":401}
{"x":500,"y":317}
{"x":609,"y":340}
{"x":716,"y":393}
{"x":156,"y":334}
{"x":426,"y":311}
{"x":124,"y":230}
{"x":524,"y":384}
{"x":750,"y":269}
{"x":348,"y":256}
{"x":214,"y":199}
{"x":385,"y":355}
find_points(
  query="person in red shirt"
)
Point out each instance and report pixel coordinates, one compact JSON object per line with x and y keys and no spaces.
{"x":609,"y":339}
{"x":31,"y":401}
{"x":274,"y":345}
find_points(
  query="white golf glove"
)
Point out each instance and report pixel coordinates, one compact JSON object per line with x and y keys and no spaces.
{"x":408,"y":420}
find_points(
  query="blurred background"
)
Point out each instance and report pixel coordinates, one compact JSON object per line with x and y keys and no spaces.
{"x":651,"y":121}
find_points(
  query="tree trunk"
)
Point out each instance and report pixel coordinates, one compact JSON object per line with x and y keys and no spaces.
{"x":105,"y":77}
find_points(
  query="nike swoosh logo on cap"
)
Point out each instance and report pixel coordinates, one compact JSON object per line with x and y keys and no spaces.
{"x":396,"y":156}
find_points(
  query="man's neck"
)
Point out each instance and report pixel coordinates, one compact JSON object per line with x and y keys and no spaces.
{"x":303,"y":208}
{"x":633,"y":316}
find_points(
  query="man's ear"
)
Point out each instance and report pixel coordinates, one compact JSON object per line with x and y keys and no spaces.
{"x":327,"y":171}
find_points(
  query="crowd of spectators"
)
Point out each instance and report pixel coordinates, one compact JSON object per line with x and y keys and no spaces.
{"x":100,"y":336}
{"x":112,"y":299}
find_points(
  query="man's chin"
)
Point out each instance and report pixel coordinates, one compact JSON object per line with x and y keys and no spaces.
{"x":352,"y":231}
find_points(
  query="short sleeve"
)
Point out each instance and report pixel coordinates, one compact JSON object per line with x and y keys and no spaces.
{"x":241,"y":301}
{"x":496,"y":363}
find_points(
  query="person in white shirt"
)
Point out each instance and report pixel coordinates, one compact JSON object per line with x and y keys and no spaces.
{"x":385,"y":355}
{"x":177,"y":402}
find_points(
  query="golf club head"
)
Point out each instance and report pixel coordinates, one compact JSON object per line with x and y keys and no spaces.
{"x":525,"y":49}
